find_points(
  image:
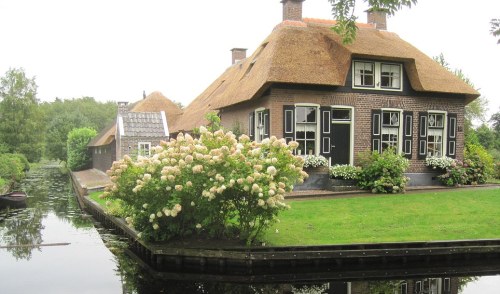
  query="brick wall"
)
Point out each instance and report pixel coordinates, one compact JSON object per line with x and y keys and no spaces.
{"x":129,"y":145}
{"x":103,"y":156}
{"x":362,"y":103}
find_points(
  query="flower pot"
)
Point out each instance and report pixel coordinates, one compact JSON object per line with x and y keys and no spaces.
{"x":318,"y":179}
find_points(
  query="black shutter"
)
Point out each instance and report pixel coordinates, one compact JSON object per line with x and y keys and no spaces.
{"x":377,"y":130}
{"x":266,"y":123}
{"x":289,"y":123}
{"x":251,"y":125}
{"x":326,"y":130}
{"x":422,"y":135}
{"x":452,"y":135}
{"x":407,"y":133}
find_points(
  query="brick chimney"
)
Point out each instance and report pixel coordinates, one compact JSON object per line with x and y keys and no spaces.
{"x":378,"y":17}
{"x":238,"y":54}
{"x":122,"y":107}
{"x":292,"y":10}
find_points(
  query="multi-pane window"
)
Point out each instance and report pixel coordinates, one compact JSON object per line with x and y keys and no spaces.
{"x":390,"y":76}
{"x":306,"y":125}
{"x":435,"y":134}
{"x":377,"y":75}
{"x":260,"y":128}
{"x":390,"y":129}
{"x":144,"y":149}
{"x":364,"y":74}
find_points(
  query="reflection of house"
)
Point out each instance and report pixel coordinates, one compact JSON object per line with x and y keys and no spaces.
{"x":338,"y":100}
{"x":416,"y":286}
{"x":137,"y":128}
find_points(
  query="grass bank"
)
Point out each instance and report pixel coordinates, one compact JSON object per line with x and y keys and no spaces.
{"x":468,"y":213}
{"x":439,"y":215}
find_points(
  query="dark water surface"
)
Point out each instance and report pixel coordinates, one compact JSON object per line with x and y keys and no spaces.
{"x":78,"y":256}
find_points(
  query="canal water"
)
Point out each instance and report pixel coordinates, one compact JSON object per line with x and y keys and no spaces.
{"x":51,"y":246}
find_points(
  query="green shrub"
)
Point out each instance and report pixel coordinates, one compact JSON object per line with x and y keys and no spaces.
{"x":214,"y":187}
{"x":496,"y":174}
{"x":79,"y":156}
{"x":456,"y":175}
{"x":344,"y":171}
{"x":383,"y":173}
{"x":480,"y":163}
{"x":11,"y":167}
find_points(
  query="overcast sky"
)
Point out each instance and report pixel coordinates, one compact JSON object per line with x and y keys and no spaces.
{"x":112,"y":50}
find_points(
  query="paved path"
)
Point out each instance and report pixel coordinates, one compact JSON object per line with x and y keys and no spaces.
{"x":92,"y":179}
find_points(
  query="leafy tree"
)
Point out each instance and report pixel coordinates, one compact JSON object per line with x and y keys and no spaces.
{"x":486,"y":136}
{"x":474,"y":111}
{"x":495,"y":120}
{"x":495,"y":28}
{"x":21,"y":127}
{"x":79,"y":156}
{"x":64,"y":115}
{"x":343,"y":12}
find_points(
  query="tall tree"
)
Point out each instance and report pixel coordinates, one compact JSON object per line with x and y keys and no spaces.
{"x":64,"y":115}
{"x":343,"y":12}
{"x":21,"y":127}
{"x":474,"y":111}
{"x":495,"y":28}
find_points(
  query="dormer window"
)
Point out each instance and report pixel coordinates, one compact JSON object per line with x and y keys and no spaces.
{"x":377,"y":75}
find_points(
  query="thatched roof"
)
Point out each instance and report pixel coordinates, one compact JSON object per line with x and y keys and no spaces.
{"x":105,"y":137}
{"x":154,"y":102}
{"x":309,"y":52}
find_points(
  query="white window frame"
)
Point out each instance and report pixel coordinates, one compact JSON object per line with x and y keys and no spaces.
{"x":139,"y":149}
{"x":259,"y":131}
{"x":377,"y":76}
{"x":444,"y":129}
{"x":400,"y":142}
{"x":317,"y":132}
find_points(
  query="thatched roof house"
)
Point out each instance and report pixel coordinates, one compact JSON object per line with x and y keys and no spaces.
{"x":138,"y":127}
{"x":308,"y":52}
{"x":336,"y":100}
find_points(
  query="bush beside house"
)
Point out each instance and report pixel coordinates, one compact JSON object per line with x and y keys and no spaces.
{"x":213,"y":187}
{"x":79,"y":156}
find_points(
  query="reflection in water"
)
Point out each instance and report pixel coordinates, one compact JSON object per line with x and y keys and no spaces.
{"x":49,"y":191}
{"x":98,"y":261}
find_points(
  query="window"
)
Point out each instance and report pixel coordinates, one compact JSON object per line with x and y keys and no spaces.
{"x":377,"y":75}
{"x":390,"y":76}
{"x":258,"y":124}
{"x":390,"y":130}
{"x":306,"y":126}
{"x":144,"y":149}
{"x":260,"y":130}
{"x":435,"y":134}
{"x":364,"y":74}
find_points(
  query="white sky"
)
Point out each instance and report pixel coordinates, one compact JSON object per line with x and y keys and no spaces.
{"x":112,"y":50}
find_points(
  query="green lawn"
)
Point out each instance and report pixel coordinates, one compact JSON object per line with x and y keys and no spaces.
{"x":439,"y":215}
{"x":468,"y":213}
{"x":95,"y":196}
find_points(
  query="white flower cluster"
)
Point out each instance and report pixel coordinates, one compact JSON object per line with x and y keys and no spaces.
{"x":439,"y":162}
{"x":195,"y":171}
{"x":344,"y":171}
{"x":315,"y":161}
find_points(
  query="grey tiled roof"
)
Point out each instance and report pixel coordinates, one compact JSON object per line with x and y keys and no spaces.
{"x":143,"y":124}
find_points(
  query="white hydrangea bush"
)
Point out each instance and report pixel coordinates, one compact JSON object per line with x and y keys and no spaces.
{"x":216,"y":186}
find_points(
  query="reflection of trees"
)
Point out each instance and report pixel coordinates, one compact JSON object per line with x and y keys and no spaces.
{"x":49,"y":190}
{"x":24,"y":229}
{"x":463,"y":281}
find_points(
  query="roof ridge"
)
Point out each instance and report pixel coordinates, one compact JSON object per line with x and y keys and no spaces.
{"x":323,"y":21}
